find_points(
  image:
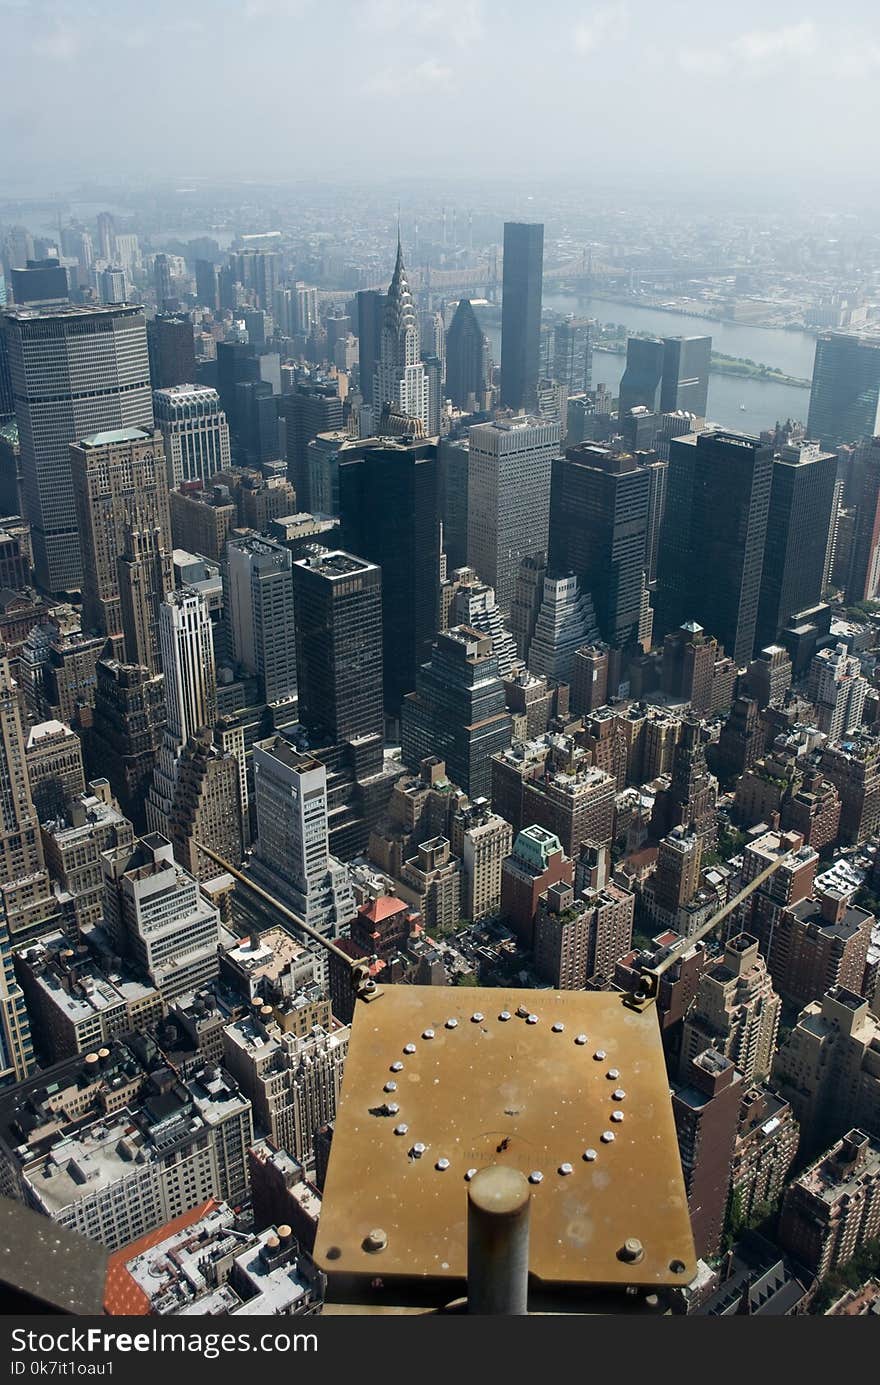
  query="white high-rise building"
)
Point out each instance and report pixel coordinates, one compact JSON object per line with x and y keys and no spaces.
{"x":474,"y":604}
{"x":292,"y":854}
{"x":305,"y":308}
{"x":195,"y":432}
{"x":838,"y":689}
{"x":566,"y":622}
{"x":186,"y":646}
{"x":187,"y":649}
{"x":157,"y":914}
{"x":401,"y":379}
{"x":509,"y":497}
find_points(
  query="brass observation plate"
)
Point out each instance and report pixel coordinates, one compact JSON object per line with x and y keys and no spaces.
{"x":476,"y":1091}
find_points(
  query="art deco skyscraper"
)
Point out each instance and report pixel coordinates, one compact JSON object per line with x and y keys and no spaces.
{"x":187,"y":648}
{"x":401,"y":381}
{"x":194,"y":431}
{"x":119,"y":487}
{"x":75,"y":371}
{"x":521,"y":314}
{"x":187,"y":651}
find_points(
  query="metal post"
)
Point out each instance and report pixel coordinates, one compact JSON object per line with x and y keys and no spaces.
{"x":498,"y":1242}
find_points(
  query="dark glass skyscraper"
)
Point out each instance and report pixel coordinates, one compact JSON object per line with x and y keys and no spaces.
{"x":370,"y":315}
{"x":598,"y":530}
{"x":712,"y":541}
{"x":685,"y":383}
{"x":665,"y":376}
{"x":457,"y":711}
{"x":521,"y":314}
{"x":338,"y":605}
{"x":467,"y":359}
{"x":389,"y":511}
{"x":801,"y":494}
{"x":845,"y":398}
{"x":640,"y":381}
{"x":172,"y":350}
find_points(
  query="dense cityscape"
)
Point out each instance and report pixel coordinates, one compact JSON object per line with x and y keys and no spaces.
{"x":477,"y":593}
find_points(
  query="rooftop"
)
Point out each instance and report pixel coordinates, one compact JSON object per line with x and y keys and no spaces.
{"x":115,"y":436}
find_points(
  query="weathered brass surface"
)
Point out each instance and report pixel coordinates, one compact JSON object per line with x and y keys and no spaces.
{"x":506,"y":1091}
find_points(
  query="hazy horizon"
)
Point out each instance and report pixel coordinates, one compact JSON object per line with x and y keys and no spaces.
{"x":619,"y":93}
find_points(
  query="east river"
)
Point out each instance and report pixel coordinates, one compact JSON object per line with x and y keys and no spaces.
{"x":764,"y":400}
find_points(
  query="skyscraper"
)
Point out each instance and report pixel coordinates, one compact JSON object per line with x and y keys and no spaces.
{"x":119,"y":488}
{"x":21,"y":850}
{"x":162,"y":281}
{"x":736,"y":1012}
{"x":801,"y":495}
{"x":26,"y":902}
{"x":457,"y":711}
{"x":187,"y":651}
{"x":845,"y":397}
{"x":207,"y":285}
{"x":467,"y":360}
{"x":259,"y":601}
{"x":685,"y":383}
{"x":508,"y":498}
{"x":292,"y":853}
{"x":338,"y":603}
{"x":145,"y":575}
{"x":389,"y":510}
{"x":521,"y":314}
{"x":100,"y":357}
{"x":194,"y":431}
{"x":573,"y":354}
{"x":598,"y":531}
{"x":312,"y":408}
{"x":664,"y":376}
{"x":642,"y":377}
{"x":112,"y":286}
{"x":863,"y":579}
{"x":186,"y":641}
{"x":705,"y":1108}
{"x":712,"y":542}
{"x":370,"y":315}
{"x":401,"y":382}
{"x":172,"y":350}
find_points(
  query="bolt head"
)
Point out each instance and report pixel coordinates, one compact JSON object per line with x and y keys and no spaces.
{"x":632,"y":1250}
{"x":375,"y":1240}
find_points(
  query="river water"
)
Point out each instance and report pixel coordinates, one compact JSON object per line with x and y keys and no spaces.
{"x":765,"y":402}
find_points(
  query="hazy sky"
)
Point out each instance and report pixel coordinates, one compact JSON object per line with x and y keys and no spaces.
{"x":293,"y":88}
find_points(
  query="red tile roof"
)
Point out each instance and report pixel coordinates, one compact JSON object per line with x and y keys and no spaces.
{"x":385,"y":907}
